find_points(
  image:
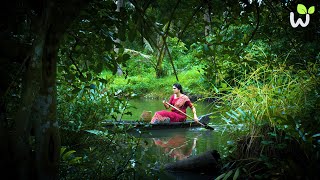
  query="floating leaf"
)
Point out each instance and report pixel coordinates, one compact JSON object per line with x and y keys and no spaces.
{"x":311,"y":10}
{"x":301,"y":9}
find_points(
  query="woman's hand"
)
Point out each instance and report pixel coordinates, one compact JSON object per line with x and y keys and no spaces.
{"x":195,"y":118}
{"x":165,"y":104}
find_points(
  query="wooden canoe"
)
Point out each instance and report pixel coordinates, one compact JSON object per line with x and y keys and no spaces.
{"x":147,"y":126}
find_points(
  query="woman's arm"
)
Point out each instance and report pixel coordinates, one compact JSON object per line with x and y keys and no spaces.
{"x":165,"y":104}
{"x":170,"y":102}
{"x":194,"y":111}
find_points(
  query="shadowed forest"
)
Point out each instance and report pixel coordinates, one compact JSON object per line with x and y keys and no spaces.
{"x":68,"y":66}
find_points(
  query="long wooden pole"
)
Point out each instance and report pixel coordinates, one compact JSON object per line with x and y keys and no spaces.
{"x":185,"y":114}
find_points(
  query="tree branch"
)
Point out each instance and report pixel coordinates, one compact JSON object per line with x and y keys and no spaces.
{"x":171,"y":60}
{"x":254,"y":31}
{"x":71,"y":58}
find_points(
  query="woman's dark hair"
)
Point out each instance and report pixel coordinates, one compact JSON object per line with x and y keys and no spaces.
{"x":177,"y":85}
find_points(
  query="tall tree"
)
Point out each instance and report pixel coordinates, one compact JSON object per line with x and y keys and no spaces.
{"x":30,"y":141}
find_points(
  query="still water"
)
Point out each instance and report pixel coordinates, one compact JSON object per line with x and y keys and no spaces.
{"x":169,"y":145}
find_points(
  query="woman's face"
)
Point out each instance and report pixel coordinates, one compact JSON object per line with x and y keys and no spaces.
{"x":175,"y":90}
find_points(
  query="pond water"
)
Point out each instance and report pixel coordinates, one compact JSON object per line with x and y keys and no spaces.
{"x":169,"y":145}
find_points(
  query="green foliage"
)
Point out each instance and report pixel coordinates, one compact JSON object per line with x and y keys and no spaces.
{"x":146,"y":85}
{"x":87,"y":106}
{"x":68,"y":161}
{"x":105,"y":154}
{"x":263,"y":74}
{"x":273,"y":106}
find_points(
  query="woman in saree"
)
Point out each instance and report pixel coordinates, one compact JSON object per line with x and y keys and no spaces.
{"x":178,"y":100}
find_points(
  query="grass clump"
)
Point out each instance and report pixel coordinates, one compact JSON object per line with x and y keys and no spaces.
{"x":273,"y":109}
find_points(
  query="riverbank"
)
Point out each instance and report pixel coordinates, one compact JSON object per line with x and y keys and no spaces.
{"x":149,"y":87}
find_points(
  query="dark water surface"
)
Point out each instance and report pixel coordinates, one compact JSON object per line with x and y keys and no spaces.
{"x":169,"y":145}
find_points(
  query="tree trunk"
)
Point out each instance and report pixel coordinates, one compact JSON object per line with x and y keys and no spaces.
{"x":36,"y":138}
{"x":30,"y":148}
{"x":207,"y":18}
{"x":159,"y":66}
{"x":116,"y":49}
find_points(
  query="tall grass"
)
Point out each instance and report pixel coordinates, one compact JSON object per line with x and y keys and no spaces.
{"x":269,"y":106}
{"x":268,"y":95}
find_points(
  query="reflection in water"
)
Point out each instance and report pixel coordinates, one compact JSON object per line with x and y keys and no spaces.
{"x":171,"y":145}
{"x":178,"y":146}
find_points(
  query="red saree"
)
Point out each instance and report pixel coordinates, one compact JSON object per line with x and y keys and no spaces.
{"x":182,"y":103}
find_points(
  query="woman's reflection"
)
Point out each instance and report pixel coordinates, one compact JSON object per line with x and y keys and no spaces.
{"x":178,"y":146}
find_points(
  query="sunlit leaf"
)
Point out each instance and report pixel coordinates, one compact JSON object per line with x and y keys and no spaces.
{"x":68,"y":154}
{"x":216,"y":89}
{"x":62,"y":150}
{"x":75,"y":160}
{"x":223,"y":85}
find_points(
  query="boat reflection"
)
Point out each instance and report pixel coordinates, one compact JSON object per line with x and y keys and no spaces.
{"x":177,"y":146}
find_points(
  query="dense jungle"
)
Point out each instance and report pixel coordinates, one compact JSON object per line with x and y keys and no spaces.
{"x":68,"y":66}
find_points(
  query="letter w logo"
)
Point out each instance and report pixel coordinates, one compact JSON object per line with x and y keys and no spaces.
{"x":301,"y":10}
{"x":299,"y":21}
